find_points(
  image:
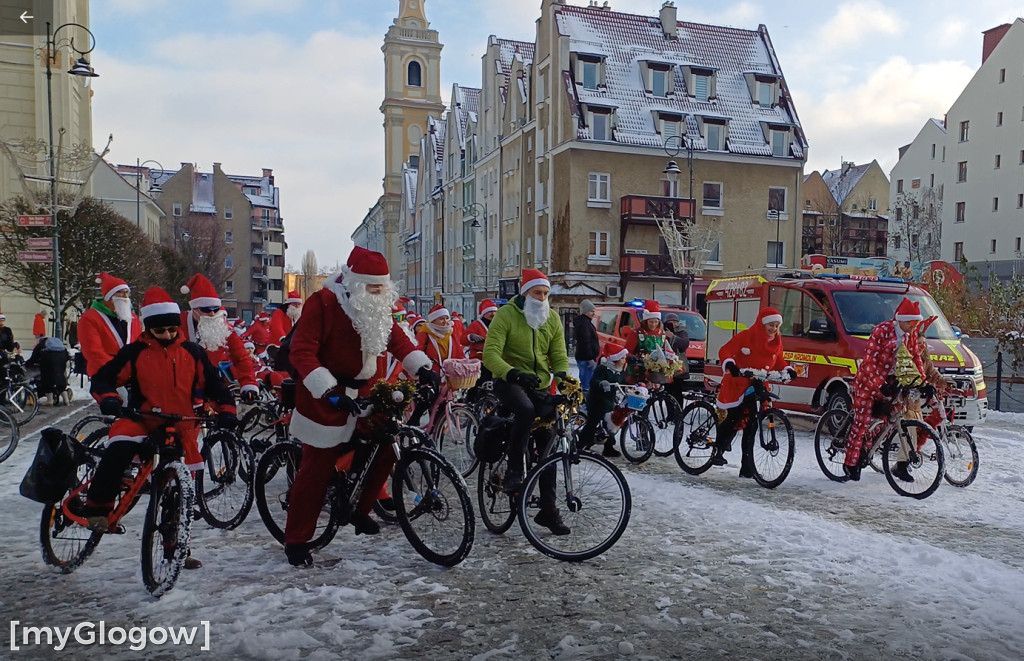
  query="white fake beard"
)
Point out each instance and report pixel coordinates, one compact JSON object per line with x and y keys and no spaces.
{"x":123,"y":308}
{"x":370,"y":315}
{"x":536,"y":312}
{"x":293,"y":312}
{"x":404,"y":325}
{"x":213,"y":332}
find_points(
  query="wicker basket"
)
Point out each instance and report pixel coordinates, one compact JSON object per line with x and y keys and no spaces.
{"x":461,"y":373}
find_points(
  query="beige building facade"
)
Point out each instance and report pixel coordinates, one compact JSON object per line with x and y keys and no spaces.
{"x":846,"y":211}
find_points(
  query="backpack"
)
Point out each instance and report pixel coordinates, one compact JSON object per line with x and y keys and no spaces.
{"x":79,"y":367}
{"x":492,"y":437}
{"x":54,"y":469}
{"x":282,"y":361}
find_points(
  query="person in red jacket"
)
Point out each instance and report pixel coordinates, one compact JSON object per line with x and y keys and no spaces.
{"x":165,"y":373}
{"x":459,"y":331}
{"x":437,"y":338}
{"x":756,"y":348}
{"x":337,"y":353}
{"x":283,"y":318}
{"x":477,"y":331}
{"x":108,"y":325}
{"x":206,"y":325}
{"x":259,"y":332}
{"x":39,"y":325}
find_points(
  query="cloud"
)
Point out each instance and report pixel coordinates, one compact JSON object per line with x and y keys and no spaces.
{"x":855,"y":21}
{"x":952,"y":28}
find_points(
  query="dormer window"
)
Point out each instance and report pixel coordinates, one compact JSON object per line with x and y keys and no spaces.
{"x":765,"y":94}
{"x":589,"y":71}
{"x":658,"y":78}
{"x":715,"y":133}
{"x":600,"y":121}
{"x":780,"y":142}
{"x":671,"y":126}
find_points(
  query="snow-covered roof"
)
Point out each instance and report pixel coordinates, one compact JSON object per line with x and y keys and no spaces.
{"x":510,"y":50}
{"x":202,"y":193}
{"x":841,"y":182}
{"x":436,"y":130}
{"x":268,"y":195}
{"x":411,"y":177}
{"x":466,"y":105}
{"x":624,"y":41}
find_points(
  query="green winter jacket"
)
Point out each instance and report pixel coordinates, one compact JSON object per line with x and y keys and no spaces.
{"x":512,"y":344}
{"x":599,"y":400}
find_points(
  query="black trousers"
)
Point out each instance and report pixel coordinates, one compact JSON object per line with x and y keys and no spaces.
{"x":106,"y":482}
{"x":523,"y":410}
{"x":727,"y":429}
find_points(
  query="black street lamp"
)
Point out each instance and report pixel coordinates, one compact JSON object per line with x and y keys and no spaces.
{"x":471,"y":208}
{"x":153,"y":188}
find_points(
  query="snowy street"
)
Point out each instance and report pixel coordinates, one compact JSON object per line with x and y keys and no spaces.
{"x":710,"y":567}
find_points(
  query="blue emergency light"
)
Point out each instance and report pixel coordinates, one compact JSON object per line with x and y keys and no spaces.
{"x":637,"y":302}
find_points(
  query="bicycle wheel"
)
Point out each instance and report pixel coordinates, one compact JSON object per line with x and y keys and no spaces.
{"x":695,"y":439}
{"x":662,"y":411}
{"x":497,"y":508}
{"x":637,"y":439}
{"x":168,"y":527}
{"x":774,"y":447}
{"x":275,"y":474}
{"x":9,"y":435}
{"x":87,"y":427}
{"x":926,"y":461}
{"x":596,"y":502}
{"x":66,"y":545}
{"x":224,"y":489}
{"x":830,"y":443}
{"x":407,"y":437}
{"x":961,"y":456}
{"x":433,"y":506}
{"x":22,"y":403}
{"x":454,"y":438}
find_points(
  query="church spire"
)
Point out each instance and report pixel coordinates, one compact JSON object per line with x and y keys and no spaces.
{"x":411,"y":15}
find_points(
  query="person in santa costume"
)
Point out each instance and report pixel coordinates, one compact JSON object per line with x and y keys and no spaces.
{"x":284,"y":317}
{"x":756,"y":348}
{"x":476,"y":334}
{"x":650,"y":336}
{"x":39,"y":325}
{"x":437,"y":338}
{"x":337,"y":351}
{"x":206,"y":325}
{"x":259,"y":332}
{"x":601,"y":397}
{"x":108,"y":325}
{"x":165,"y":371}
{"x":459,"y":330}
{"x":238,"y":325}
{"x":895,"y":355}
{"x":415,"y":322}
{"x":394,"y":370}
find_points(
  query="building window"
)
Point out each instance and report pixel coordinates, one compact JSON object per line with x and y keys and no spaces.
{"x":899,"y":185}
{"x":600,"y":124}
{"x":995,"y":204}
{"x":714,"y":136}
{"x":992,"y":247}
{"x":599,"y":245}
{"x":915,"y":212}
{"x":1020,"y":200}
{"x":873,"y":204}
{"x":915,"y":182}
{"x":229,"y":212}
{"x":1016,"y":245}
{"x":777,"y":200}
{"x":964,"y":130}
{"x":961,"y":211}
{"x":228,"y":237}
{"x":590,"y":72}
{"x":899,"y":215}
{"x":715,"y":256}
{"x":669,"y":188}
{"x":177,"y":209}
{"x":701,"y":86}
{"x":671,"y":127}
{"x":415,"y":77}
{"x":229,"y":286}
{"x":776,"y":253}
{"x":780,"y":143}
{"x":933,"y":151}
{"x":765,"y":94}
{"x":661,"y":82}
{"x":229,"y":262}
{"x":896,"y":241}
{"x":599,"y":188}
{"x":999,"y":118}
{"x":961,"y":172}
{"x":712,"y":195}
{"x":1002,"y":75}
{"x":958,"y":251}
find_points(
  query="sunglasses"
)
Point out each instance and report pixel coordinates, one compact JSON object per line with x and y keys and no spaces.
{"x":209,"y":309}
{"x":164,"y":331}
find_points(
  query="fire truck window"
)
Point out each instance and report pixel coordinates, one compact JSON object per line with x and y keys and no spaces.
{"x":606,"y":324}
{"x":627,"y":322}
{"x":797,"y":308}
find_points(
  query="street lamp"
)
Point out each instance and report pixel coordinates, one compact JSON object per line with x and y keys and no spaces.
{"x":673,"y":146}
{"x":84,"y":69}
{"x":471,"y":209}
{"x":775,"y":213}
{"x":153,"y":188}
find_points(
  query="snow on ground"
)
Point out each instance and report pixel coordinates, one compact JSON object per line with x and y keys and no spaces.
{"x":710,"y":567}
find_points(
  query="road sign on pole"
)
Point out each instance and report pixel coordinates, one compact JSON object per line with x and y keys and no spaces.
{"x":41,"y":243}
{"x":35,"y":256}
{"x":35,"y":220}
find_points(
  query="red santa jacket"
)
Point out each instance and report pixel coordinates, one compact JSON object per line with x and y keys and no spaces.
{"x":748,"y":349}
{"x":280,"y":324}
{"x":880,"y":358}
{"x":234,"y":353}
{"x":98,"y":335}
{"x":259,"y":334}
{"x":476,"y":349}
{"x":429,"y":345}
{"x":326,"y":350}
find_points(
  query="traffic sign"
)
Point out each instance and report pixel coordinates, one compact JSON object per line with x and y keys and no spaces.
{"x":35,"y":220}
{"x":35,"y":256}
{"x":41,"y":243}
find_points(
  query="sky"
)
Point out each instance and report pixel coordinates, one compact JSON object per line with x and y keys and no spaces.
{"x":296,"y":85}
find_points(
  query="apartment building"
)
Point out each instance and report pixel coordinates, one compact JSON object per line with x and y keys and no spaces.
{"x":845,"y":211}
{"x":916,"y":192}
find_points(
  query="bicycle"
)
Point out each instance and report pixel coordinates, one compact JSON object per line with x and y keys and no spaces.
{"x":17,"y":395}
{"x":595,"y":492}
{"x":891,"y":436}
{"x":427,"y":490}
{"x":453,"y":424}
{"x":10,"y":434}
{"x":662,"y":412}
{"x":697,"y":434}
{"x":167,"y":527}
{"x":637,"y":435}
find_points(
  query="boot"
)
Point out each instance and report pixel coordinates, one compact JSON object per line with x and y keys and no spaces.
{"x":609,"y":449}
{"x":901,"y":472}
{"x":192,"y":563}
{"x":363,"y":524}
{"x":718,"y":457}
{"x":746,"y":466}
{"x":512,"y":481}
{"x":552,"y":520}
{"x":852,"y":472}
{"x":298,"y":555}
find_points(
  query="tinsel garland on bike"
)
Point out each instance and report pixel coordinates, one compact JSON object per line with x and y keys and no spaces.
{"x":388,"y":404}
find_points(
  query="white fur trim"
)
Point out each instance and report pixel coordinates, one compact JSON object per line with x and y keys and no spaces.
{"x":363,"y":278}
{"x":292,"y":300}
{"x":203,"y":302}
{"x":909,"y":317}
{"x":616,"y":357}
{"x":159,"y":308}
{"x":437,"y":314}
{"x":369,"y":366}
{"x":530,"y":284}
{"x":745,"y":351}
{"x":3,"y":316}
{"x":129,"y":439}
{"x":727,"y":361}
{"x":731,"y":405}
{"x":490,"y":308}
{"x":319,"y":381}
{"x":772,"y":318}
{"x":651,"y":315}
{"x":318,"y":435}
{"x":113,"y":291}
{"x":415,"y":361}
{"x":250,"y":388}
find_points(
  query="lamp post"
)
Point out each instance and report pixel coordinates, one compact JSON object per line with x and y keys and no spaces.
{"x":471,"y":209}
{"x":673,"y":146}
{"x":80,"y":68}
{"x":153,"y":188}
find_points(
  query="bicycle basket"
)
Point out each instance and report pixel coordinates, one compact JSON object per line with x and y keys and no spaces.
{"x":492,"y":438}
{"x":461,"y":373}
{"x":635,"y":401}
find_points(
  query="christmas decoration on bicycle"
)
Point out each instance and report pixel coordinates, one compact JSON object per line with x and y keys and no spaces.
{"x":461,"y":373}
{"x":661,"y":368}
{"x":636,"y":398}
{"x":388,"y":402}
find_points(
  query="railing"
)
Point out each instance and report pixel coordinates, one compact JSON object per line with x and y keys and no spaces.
{"x":643,"y":209}
{"x":258,"y":274}
{"x":647,"y":265}
{"x":257,"y":249}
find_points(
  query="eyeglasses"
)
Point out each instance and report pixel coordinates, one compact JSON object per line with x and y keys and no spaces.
{"x":210,"y":309}
{"x":164,"y":331}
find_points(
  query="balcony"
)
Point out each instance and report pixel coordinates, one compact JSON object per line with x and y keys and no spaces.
{"x":643,"y":209}
{"x":258,"y":297}
{"x":257,"y":249}
{"x":258,"y":274}
{"x":655,"y":266}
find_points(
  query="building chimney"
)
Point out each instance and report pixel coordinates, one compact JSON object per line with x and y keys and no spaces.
{"x":669,"y":21}
{"x":216,"y":167}
{"x":268,"y":174}
{"x":991,"y":40}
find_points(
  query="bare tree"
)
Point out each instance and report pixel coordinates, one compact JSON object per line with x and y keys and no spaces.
{"x":915,"y":224}
{"x":309,"y":272}
{"x":199,"y":241}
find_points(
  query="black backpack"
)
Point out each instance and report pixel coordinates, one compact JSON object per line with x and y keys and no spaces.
{"x":54,"y":469}
{"x":282,"y":361}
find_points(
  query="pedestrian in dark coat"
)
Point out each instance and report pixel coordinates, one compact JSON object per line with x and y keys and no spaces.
{"x":588,"y":348}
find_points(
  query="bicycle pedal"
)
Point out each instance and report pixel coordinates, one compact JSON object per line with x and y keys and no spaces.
{"x":117,"y":530}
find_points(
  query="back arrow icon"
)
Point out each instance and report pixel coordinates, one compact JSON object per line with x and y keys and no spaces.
{"x":24,"y":17}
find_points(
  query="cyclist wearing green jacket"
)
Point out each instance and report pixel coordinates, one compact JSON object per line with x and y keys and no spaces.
{"x":525,"y":345}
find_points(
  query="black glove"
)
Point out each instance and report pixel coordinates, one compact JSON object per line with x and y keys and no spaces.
{"x":474,"y":338}
{"x":928,"y":391}
{"x":248,"y":396}
{"x":354,"y":384}
{"x":524,"y":379}
{"x":731,"y":368}
{"x":791,"y":372}
{"x":110,"y":406}
{"x":429,"y":377}
{"x":889,"y":389}
{"x":226,"y":420}
{"x":339,"y":400}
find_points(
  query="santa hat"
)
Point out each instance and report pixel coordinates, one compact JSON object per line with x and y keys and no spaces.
{"x":239,"y":323}
{"x":486,"y":305}
{"x":908,"y":310}
{"x":158,"y":310}
{"x":437,"y":312}
{"x":532,"y":278}
{"x":398,"y":308}
{"x":613,"y":353}
{"x":366,"y":267}
{"x":770,"y":315}
{"x":248,"y":345}
{"x":2,"y":316}
{"x":201,"y":291}
{"x":414,"y":319}
{"x":651,"y":310}
{"x":293,"y":297}
{"x":263,"y":316}
{"x":109,"y":285}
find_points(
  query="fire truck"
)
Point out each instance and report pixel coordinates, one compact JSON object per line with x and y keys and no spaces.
{"x":827,"y":319}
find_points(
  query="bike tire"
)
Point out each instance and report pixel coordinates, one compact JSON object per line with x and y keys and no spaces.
{"x":66,"y":545}
{"x":696,"y":435}
{"x":454,"y":437}
{"x":497,"y":508}
{"x":224,"y":490}
{"x":408,"y":437}
{"x":430,"y":493}
{"x":168,"y":528}
{"x":927,"y":462}
{"x":774,"y":448}
{"x":830,"y":442}
{"x":961,"y":456}
{"x":10,"y":434}
{"x":637,"y":439}
{"x":81,"y":429}
{"x":662,"y":411}
{"x":272,"y":485}
{"x":22,"y":404}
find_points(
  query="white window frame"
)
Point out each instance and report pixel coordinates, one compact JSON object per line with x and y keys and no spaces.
{"x":584,"y":63}
{"x":958,"y":251}
{"x":872,"y":204}
{"x":229,"y":212}
{"x":176,"y":210}
{"x":783,"y":214}
{"x":760,"y":88}
{"x":656,"y":69}
{"x":714,"y":260}
{"x":608,"y":116}
{"x":229,"y":236}
{"x":783,"y":249}
{"x":599,"y":190}
{"x":709,"y":209}
{"x":783,"y":149}
{"x":599,"y":248}
{"x":671,"y":126}
{"x":720,"y":144}
{"x":706,"y":95}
